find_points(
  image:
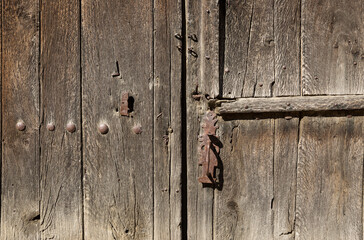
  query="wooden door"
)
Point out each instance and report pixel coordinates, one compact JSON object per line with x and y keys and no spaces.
{"x":73,"y":167}
{"x":103,"y":103}
{"x":291,"y":152}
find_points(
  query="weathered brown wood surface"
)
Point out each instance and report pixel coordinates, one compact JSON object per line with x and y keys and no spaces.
{"x":293,"y":104}
{"x":118,"y":166}
{"x":261,"y":48}
{"x":20,"y":102}
{"x":167,"y":119}
{"x":332,"y":47}
{"x":329,"y":178}
{"x":279,"y":178}
{"x":60,"y":160}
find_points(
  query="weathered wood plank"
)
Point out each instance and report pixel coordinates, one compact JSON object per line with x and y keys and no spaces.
{"x":330,"y":178}
{"x":243,"y":208}
{"x":202,"y":77}
{"x":332,"y":47}
{"x":20,"y":102}
{"x":249,"y":49}
{"x":203,"y":45}
{"x":167,"y":119}
{"x":284,"y":187}
{"x":293,"y":104}
{"x":60,"y":160}
{"x":287,"y":44}
{"x":118,"y":166}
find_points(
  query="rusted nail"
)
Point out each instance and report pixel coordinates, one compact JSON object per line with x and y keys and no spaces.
{"x":192,"y":52}
{"x":284,"y":67}
{"x":193,"y":37}
{"x":117,"y":72}
{"x":71,"y":127}
{"x":288,"y":117}
{"x":227,"y":70}
{"x":355,"y":63}
{"x":124,"y":106}
{"x":178,"y":36}
{"x":137,"y":129}
{"x":20,"y":125}
{"x":103,"y":128}
{"x":246,"y":107}
{"x":51,"y":127}
{"x":197,"y":97}
{"x":208,"y":11}
{"x":260,"y":84}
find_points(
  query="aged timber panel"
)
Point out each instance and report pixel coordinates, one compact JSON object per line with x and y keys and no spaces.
{"x":202,"y":81}
{"x":60,"y":171}
{"x":117,"y":57}
{"x":20,"y":102}
{"x":257,"y":199}
{"x":329,"y":178}
{"x":167,"y":119}
{"x":332,"y":47}
{"x":261,"y":48}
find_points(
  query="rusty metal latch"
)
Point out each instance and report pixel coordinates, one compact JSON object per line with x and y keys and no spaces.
{"x":124,"y":106}
{"x":209,"y":149}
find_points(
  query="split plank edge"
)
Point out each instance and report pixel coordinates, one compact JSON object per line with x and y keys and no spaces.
{"x":293,"y":104}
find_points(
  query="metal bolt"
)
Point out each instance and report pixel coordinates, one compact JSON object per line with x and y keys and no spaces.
{"x":50,"y":127}
{"x":284,"y":67}
{"x":20,"y":125}
{"x":260,"y":84}
{"x":103,"y":128}
{"x":137,"y":129}
{"x":71,"y":127}
{"x":355,"y":63}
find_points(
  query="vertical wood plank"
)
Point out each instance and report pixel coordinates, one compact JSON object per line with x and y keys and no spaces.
{"x":20,"y":101}
{"x":287,"y":44}
{"x":118,"y":166}
{"x":333,"y":45}
{"x":202,"y":78}
{"x":60,"y":172}
{"x":243,"y":209}
{"x":249,"y":49}
{"x":203,"y":45}
{"x":167,"y":119}
{"x":329,"y":178}
{"x":285,"y":167}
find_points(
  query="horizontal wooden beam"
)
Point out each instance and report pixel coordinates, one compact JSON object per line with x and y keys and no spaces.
{"x":293,"y":104}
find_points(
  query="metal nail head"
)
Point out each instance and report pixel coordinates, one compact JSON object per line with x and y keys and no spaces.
{"x":103,"y":128}
{"x":20,"y":125}
{"x":137,"y":129}
{"x":51,"y":127}
{"x":71,"y":127}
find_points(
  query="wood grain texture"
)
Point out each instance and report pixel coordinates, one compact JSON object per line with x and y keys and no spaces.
{"x":167,"y":119}
{"x":203,"y":45}
{"x":118,"y":166}
{"x":287,"y":48}
{"x":60,"y":159}
{"x":332,"y":47}
{"x":329,"y":178}
{"x":20,"y":101}
{"x":199,"y":199}
{"x":243,"y":208}
{"x":249,"y":49}
{"x":284,"y":186}
{"x":293,"y":104}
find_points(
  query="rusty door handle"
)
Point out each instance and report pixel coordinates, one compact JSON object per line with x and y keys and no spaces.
{"x":209,"y":149}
